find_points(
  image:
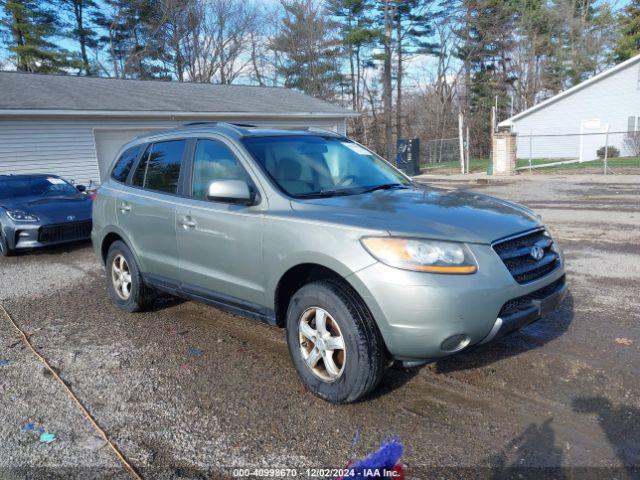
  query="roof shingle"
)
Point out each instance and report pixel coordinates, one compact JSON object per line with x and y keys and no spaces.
{"x":27,"y":91}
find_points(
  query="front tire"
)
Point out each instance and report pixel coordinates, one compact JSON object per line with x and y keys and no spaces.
{"x":124,"y":280}
{"x":334,"y":342}
{"x":5,"y":251}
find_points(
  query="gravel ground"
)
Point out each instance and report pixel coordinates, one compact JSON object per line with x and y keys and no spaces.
{"x":187,"y":391}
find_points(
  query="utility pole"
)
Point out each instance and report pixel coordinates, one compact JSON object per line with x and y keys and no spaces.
{"x":461,"y":141}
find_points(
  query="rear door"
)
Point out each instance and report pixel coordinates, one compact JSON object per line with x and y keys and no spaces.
{"x":147,"y":213}
{"x":220,"y":244}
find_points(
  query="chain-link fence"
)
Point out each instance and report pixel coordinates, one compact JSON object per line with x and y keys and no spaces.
{"x":443,"y":155}
{"x":595,"y":152}
{"x":442,"y":150}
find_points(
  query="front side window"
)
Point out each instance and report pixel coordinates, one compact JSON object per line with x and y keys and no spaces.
{"x":213,"y":161}
{"x":159,"y":168}
{"x":125,"y":162}
{"x":309,"y":165}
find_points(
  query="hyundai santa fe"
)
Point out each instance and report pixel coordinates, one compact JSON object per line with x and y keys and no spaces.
{"x":310,"y":231}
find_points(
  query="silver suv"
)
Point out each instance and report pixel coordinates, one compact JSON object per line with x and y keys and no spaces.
{"x":310,"y":231}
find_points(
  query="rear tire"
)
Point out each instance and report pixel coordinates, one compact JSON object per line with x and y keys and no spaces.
{"x":124,"y":280}
{"x":5,"y":251}
{"x":322,"y":317}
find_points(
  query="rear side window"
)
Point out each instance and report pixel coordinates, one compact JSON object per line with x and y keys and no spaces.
{"x":159,"y":168}
{"x":125,"y":162}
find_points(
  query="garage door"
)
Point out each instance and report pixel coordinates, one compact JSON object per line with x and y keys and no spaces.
{"x":108,"y":142}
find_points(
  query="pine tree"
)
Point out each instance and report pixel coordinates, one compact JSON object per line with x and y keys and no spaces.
{"x":628,"y":44}
{"x":29,"y":26}
{"x":486,"y":46}
{"x":83,"y":15}
{"x":132,"y":38}
{"x":310,"y":47}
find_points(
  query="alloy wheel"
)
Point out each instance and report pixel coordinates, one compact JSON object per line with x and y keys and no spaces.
{"x":121,"y":277}
{"x":321,"y":344}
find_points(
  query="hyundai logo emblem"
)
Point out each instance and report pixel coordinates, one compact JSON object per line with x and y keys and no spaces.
{"x":71,"y":217}
{"x":537,"y":252}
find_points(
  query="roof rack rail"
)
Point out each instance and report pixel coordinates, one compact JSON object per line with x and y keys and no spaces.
{"x":194,"y":124}
{"x":322,"y":130}
{"x":235,"y":124}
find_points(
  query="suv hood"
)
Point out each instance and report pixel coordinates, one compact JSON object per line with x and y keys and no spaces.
{"x":52,"y":210}
{"x":430,"y":212}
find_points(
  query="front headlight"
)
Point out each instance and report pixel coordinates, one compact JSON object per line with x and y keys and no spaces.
{"x":421,"y":255}
{"x":21,"y":216}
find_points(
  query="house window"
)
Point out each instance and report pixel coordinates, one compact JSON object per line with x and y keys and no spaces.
{"x":631,"y":124}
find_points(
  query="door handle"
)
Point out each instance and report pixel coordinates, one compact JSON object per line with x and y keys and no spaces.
{"x":187,"y":222}
{"x":125,"y":207}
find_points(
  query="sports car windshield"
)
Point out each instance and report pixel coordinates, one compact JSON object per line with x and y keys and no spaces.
{"x":310,"y":166}
{"x":11,"y":188}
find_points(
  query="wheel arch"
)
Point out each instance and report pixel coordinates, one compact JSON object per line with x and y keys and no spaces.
{"x":109,"y":239}
{"x":295,"y":278}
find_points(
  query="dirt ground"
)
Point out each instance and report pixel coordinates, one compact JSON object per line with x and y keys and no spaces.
{"x":187,"y":391}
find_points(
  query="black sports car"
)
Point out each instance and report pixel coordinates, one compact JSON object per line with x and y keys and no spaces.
{"x":39,"y":210}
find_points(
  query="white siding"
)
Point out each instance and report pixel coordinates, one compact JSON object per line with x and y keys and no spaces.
{"x":610,"y":100}
{"x":67,"y":147}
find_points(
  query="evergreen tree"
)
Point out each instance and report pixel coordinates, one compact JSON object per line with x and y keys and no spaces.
{"x":628,"y":44}
{"x":413,"y":31}
{"x":487,"y":44}
{"x":81,"y":27}
{"x":310,"y":48}
{"x":28,"y":27}
{"x":132,"y":38}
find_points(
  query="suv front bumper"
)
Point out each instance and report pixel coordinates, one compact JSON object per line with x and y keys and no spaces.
{"x":417,"y":313}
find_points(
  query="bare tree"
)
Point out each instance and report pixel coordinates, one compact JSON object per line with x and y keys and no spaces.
{"x":632,"y":143}
{"x":219,"y":44}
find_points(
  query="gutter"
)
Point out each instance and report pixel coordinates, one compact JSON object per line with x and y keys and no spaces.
{"x":164,"y":114}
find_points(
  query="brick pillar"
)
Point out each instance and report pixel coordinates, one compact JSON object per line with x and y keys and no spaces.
{"x":504,"y":153}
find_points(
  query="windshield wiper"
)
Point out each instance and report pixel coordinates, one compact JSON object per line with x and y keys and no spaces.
{"x":384,"y":186}
{"x":326,"y":193}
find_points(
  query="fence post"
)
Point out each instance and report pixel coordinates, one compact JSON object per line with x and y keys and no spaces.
{"x":530,"y":150}
{"x":468,"y":156}
{"x":461,"y":141}
{"x":606,"y":149}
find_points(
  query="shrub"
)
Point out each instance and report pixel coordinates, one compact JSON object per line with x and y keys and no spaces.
{"x":612,"y":152}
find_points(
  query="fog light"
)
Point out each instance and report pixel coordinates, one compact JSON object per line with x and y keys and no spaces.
{"x":455,"y":343}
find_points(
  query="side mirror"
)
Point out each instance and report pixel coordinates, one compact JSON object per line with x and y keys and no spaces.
{"x":231,"y":191}
{"x":81,"y":188}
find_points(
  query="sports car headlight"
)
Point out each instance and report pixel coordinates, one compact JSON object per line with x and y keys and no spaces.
{"x":21,"y":216}
{"x":421,"y":255}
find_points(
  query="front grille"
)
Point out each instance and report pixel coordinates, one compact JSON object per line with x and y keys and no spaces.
{"x":516,"y":305}
{"x":65,"y":232}
{"x":516,"y":255}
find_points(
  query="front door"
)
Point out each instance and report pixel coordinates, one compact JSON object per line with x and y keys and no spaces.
{"x":593,"y":136}
{"x":220,"y":244}
{"x":148,"y":212}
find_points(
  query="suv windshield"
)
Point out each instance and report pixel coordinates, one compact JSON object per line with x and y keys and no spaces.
{"x":34,"y":187}
{"x":309,"y":165}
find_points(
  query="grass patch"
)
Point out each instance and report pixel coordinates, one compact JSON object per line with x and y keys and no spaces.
{"x":478,"y":165}
{"x":618,"y":162}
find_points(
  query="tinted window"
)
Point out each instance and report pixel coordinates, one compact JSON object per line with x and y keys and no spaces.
{"x":160,"y":167}
{"x":213,"y":161}
{"x":125,"y":162}
{"x":11,"y":188}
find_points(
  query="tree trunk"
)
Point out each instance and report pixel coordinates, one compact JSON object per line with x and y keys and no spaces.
{"x":82,"y":36}
{"x":386,"y":82}
{"x":399,"y":74}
